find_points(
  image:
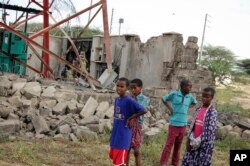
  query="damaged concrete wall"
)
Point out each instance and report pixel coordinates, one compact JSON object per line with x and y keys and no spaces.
{"x":163,"y":61}
{"x":55,"y":46}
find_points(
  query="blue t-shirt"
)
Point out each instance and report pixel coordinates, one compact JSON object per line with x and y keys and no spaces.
{"x":180,"y":105}
{"x":121,"y":134}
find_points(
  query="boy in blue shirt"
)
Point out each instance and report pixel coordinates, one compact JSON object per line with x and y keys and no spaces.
{"x":126,"y":109}
{"x":136,"y":89}
{"x":180,"y":101}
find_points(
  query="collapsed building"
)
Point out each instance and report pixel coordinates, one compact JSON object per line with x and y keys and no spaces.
{"x":161,"y":62}
{"x":67,"y":108}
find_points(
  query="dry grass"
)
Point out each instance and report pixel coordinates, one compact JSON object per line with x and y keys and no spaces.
{"x":95,"y":152}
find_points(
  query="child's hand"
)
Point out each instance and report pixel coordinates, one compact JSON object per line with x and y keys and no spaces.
{"x":129,"y":122}
{"x":170,"y":111}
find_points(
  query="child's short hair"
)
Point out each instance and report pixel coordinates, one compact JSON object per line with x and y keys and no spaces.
{"x":185,"y":83}
{"x":138,"y":82}
{"x":210,"y":89}
{"x":125,"y":80}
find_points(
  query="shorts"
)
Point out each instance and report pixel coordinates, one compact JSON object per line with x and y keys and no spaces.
{"x":118,"y":156}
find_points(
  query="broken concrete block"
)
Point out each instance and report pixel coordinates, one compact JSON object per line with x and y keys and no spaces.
{"x":246,"y":134}
{"x":58,"y":137}
{"x":65,"y":96}
{"x":12,"y":138}
{"x":83,"y":98}
{"x":47,"y":104}
{"x":49,"y":92}
{"x":29,"y":135}
{"x":66,"y":120}
{"x":26,"y":103}
{"x":6,"y":84}
{"x":4,"y":111}
{"x":73,"y":137}
{"x":30,"y":127}
{"x":17,"y":86}
{"x":3,"y":92}
{"x":105,"y":124}
{"x":79,"y":107}
{"x":64,"y":129}
{"x":10,"y":126}
{"x":39,"y":124}
{"x":101,"y":109}
{"x":32,"y":89}
{"x":89,"y":120}
{"x":110,"y":112}
{"x":149,"y":135}
{"x":12,"y":77}
{"x":12,"y":116}
{"x":233,"y":135}
{"x":89,"y":108}
{"x":103,"y":98}
{"x":45,"y":112}
{"x":83,"y":133}
{"x":96,"y":128}
{"x":60,"y":108}
{"x":34,"y":102}
{"x":72,"y":108}
{"x":40,"y":136}
{"x":15,"y":101}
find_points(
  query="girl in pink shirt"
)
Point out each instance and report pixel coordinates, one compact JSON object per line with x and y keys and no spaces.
{"x":201,"y":137}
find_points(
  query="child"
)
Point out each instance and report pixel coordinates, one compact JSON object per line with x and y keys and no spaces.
{"x":180,"y":100}
{"x":136,"y":88}
{"x":126,"y":109}
{"x":201,"y":137}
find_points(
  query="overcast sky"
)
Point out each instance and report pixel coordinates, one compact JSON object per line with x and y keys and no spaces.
{"x":228,"y":22}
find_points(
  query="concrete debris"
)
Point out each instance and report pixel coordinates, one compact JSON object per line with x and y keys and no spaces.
{"x":60,"y":108}
{"x":40,"y":111}
{"x":89,"y":108}
{"x":32,"y":89}
{"x":49,"y":92}
{"x":5,"y":111}
{"x":101,"y":109}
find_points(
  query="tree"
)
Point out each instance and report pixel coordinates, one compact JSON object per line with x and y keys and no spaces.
{"x":220,"y":61}
{"x":73,"y":31}
{"x":245,"y":65}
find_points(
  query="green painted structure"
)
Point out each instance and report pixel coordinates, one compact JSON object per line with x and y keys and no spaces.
{"x":14,"y":45}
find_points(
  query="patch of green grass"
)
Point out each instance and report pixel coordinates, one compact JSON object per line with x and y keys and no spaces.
{"x":223,"y":147}
{"x":2,"y":153}
{"x":233,"y":108}
{"x":225,"y":95}
{"x":95,"y":152}
{"x":151,"y":150}
{"x":25,"y":153}
{"x":229,"y":143}
{"x":243,"y":79}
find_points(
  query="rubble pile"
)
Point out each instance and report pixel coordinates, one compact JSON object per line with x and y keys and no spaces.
{"x":233,"y":126}
{"x":31,"y":109}
{"x":49,"y":109}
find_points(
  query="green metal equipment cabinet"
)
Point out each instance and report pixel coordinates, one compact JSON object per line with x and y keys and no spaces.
{"x":14,"y":45}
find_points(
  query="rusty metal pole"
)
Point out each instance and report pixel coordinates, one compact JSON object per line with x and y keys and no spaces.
{"x":45,"y":55}
{"x":106,"y":35}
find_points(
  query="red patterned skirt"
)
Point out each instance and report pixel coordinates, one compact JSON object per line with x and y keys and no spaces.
{"x":136,"y":134}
